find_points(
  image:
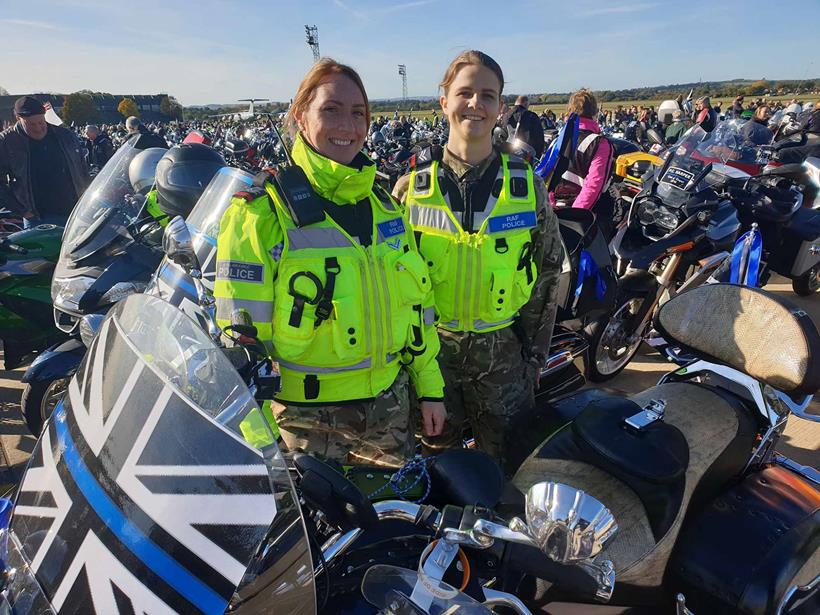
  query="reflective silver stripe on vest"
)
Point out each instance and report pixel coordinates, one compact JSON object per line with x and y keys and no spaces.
{"x":451,"y":324}
{"x":573,"y":178}
{"x":588,"y":140}
{"x":429,"y":315}
{"x":480,"y":325}
{"x":312,"y":369}
{"x":431,"y":217}
{"x":479,"y":217}
{"x":259,"y":311}
{"x":316,"y":237}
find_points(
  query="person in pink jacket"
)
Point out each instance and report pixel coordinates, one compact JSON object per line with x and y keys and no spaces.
{"x":585,"y":183}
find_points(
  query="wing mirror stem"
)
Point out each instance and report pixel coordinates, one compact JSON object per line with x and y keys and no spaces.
{"x":179,"y":247}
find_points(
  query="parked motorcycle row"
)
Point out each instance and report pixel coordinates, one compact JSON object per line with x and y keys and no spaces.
{"x":158,"y":485}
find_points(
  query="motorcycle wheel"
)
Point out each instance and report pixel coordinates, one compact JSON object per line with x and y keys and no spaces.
{"x":808,"y":283}
{"x":611,"y":345}
{"x":39,"y":400}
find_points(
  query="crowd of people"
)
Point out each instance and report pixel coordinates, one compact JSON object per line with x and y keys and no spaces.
{"x":468,"y":219}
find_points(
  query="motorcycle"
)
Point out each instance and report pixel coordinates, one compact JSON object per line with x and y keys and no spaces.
{"x":110,"y":249}
{"x":27,"y":260}
{"x":679,"y":229}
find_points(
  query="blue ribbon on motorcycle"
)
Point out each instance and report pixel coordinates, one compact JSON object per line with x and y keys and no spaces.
{"x":749,"y":244}
{"x":587,"y":270}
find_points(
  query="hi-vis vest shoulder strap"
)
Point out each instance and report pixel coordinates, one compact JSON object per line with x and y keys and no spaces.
{"x":481,"y":279}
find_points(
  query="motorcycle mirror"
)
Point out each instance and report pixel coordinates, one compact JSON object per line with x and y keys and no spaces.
{"x":569,"y":525}
{"x":654,"y":137}
{"x":178,"y":244}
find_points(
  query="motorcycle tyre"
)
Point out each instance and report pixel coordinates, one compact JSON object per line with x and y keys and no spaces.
{"x":595,"y":331}
{"x":807,"y":284}
{"x":31,"y":403}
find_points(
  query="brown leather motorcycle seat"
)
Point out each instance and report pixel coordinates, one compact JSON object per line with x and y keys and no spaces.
{"x":747,"y":329}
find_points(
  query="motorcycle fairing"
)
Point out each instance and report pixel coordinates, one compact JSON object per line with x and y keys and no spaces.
{"x":134,"y":497}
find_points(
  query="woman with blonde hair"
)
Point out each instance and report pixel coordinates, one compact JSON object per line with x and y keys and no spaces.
{"x":326,"y":264}
{"x":493,"y":248}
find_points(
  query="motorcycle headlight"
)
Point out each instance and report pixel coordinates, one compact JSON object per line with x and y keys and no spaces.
{"x":67,"y":292}
{"x":646,"y":212}
{"x":120,"y":291}
{"x":666,"y":219}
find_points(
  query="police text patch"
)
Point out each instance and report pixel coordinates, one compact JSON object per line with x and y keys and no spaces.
{"x":391,"y":228}
{"x":240,"y":272}
{"x":510,"y":222}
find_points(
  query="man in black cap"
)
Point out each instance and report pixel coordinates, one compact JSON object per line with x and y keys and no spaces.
{"x":42,"y":168}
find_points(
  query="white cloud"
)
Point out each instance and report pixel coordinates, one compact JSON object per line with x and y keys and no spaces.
{"x":614,"y":10}
{"x":26,"y":23}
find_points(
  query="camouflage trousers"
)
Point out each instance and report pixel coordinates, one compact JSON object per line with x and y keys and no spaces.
{"x":486,"y":383}
{"x":372,"y":432}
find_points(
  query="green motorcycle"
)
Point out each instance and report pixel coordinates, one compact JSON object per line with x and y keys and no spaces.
{"x":27,"y":260}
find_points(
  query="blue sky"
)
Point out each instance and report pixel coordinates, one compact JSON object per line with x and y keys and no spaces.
{"x":208,"y":51}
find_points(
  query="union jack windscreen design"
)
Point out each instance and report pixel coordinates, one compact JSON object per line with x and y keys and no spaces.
{"x":135,"y":500}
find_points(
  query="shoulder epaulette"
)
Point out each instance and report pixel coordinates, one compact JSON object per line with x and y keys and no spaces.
{"x":251,"y":194}
{"x":425,"y":156}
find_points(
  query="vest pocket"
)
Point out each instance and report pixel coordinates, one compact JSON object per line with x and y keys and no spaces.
{"x":412,"y":278}
{"x":348,"y":327}
{"x":501,"y":298}
{"x":524,"y":281}
{"x":293,"y":328}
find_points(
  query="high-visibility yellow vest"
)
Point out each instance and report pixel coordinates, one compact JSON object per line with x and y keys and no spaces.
{"x":152,"y":208}
{"x":339,"y":317}
{"x":481,"y":279}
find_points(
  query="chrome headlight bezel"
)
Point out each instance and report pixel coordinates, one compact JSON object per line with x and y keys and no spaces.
{"x":67,"y":292}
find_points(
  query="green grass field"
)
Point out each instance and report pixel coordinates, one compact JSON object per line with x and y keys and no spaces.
{"x":560,"y":108}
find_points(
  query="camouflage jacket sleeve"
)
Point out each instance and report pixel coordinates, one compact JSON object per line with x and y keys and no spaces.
{"x":250,"y":241}
{"x":538,"y":314}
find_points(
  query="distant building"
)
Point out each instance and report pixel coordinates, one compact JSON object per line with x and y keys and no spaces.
{"x":106,"y":105}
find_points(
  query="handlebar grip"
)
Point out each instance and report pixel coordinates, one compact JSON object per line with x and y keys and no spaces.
{"x":532,"y":561}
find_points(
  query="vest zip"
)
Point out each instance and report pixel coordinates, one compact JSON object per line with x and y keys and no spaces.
{"x":379,"y":353}
{"x":388,"y":320}
{"x":467,"y":297}
{"x":457,"y":289}
{"x":476,"y":293}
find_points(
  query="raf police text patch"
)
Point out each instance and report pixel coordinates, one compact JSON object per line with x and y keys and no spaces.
{"x":391,"y":228}
{"x":510,"y":222}
{"x":240,"y":272}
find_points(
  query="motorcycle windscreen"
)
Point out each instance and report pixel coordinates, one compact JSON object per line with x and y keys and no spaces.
{"x":99,"y":222}
{"x":157,"y":485}
{"x":171,"y":283}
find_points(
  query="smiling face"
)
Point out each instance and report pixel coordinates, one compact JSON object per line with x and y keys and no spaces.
{"x":472,"y":102}
{"x":335,"y":121}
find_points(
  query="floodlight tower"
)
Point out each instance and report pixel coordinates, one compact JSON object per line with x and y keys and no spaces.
{"x":312,"y":36}
{"x":403,"y":73}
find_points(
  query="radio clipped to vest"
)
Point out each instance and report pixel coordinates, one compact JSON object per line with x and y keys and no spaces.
{"x":298,"y":196}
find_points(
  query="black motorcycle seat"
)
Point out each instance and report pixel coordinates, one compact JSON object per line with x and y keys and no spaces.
{"x":657,"y":454}
{"x":466,"y":477}
{"x":805,"y":224}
